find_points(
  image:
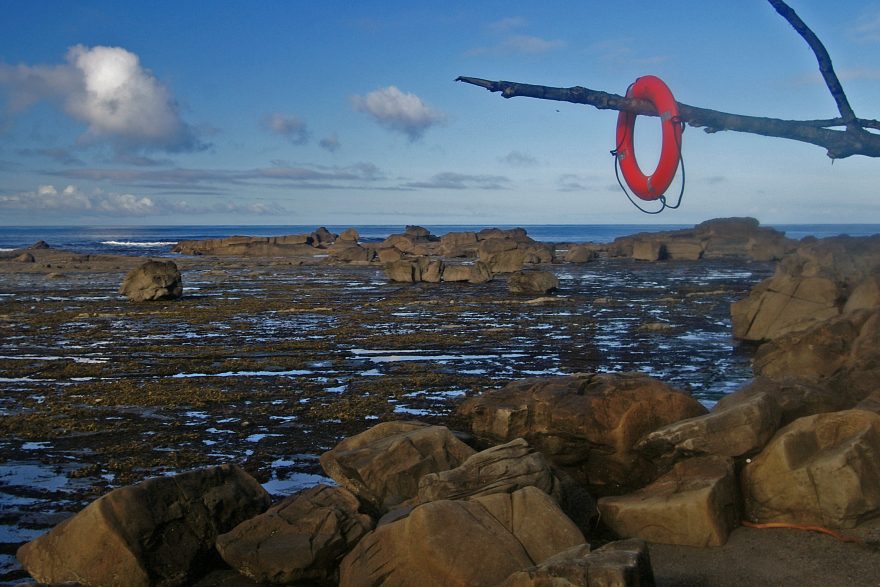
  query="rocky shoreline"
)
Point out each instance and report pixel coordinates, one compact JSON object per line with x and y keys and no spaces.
{"x":620,"y":459}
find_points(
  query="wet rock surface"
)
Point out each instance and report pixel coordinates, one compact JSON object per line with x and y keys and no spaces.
{"x":270,"y":362}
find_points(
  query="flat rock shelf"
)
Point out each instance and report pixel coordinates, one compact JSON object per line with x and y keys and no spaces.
{"x":268,"y":364}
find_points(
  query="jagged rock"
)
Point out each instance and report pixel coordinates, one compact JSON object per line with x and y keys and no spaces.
{"x":580,"y":254}
{"x":478,"y":542}
{"x":694,"y":504}
{"x":809,"y":286}
{"x":417,"y":231}
{"x":154,"y":280}
{"x":383,"y":465}
{"x":532,"y":282}
{"x":507,"y":468}
{"x":41,"y":244}
{"x":586,"y":424}
{"x":25,"y":258}
{"x":795,"y":397}
{"x":302,"y":538}
{"x":870,"y":403}
{"x":158,"y":532}
{"x":820,"y":470}
{"x":322,"y":238}
{"x":500,"y":469}
{"x":741,"y":429}
{"x":624,"y":563}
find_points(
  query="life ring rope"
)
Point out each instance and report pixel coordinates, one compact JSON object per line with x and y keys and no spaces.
{"x":650,"y":187}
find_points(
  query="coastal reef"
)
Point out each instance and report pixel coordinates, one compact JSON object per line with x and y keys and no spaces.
{"x":309,"y":420}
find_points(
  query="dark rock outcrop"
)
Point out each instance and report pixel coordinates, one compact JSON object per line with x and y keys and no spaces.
{"x":587,"y":425}
{"x":532,"y":282}
{"x":383,"y":465}
{"x":809,"y":286}
{"x":158,"y":532}
{"x":154,"y":280}
{"x":477,"y":542}
{"x":302,"y":538}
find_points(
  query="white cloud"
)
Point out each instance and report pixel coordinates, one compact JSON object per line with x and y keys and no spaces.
{"x":290,"y":127}
{"x":72,"y":200}
{"x":399,"y":111}
{"x":107,"y":89}
{"x":529,"y":45}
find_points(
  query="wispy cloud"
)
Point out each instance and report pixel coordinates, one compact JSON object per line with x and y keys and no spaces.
{"x":514,"y":43}
{"x":459,"y":181}
{"x":330,"y":143}
{"x":108,"y":90}
{"x":867,"y":27}
{"x":291,"y":128}
{"x":519,"y":159}
{"x":399,"y":111}
{"x":507,"y":23}
{"x":57,"y":154}
{"x":620,"y":52}
{"x":72,"y":200}
{"x":281,"y":174}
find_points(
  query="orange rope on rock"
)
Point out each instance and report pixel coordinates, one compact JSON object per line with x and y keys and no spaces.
{"x":786,"y":525}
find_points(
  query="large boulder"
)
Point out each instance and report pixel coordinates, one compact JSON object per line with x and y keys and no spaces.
{"x":532,"y":282}
{"x":794,"y":396}
{"x":507,"y":468}
{"x":580,"y":254}
{"x":842,"y":353}
{"x":624,"y":563}
{"x":478,"y":542}
{"x":743,"y":428}
{"x":809,"y":286}
{"x":158,"y":532}
{"x":459,"y":244}
{"x":510,"y":254}
{"x":153,"y":280}
{"x":475,"y":273}
{"x":586,"y":424}
{"x":350,"y":252}
{"x":820,"y":470}
{"x":384,"y":464}
{"x":694,"y":504}
{"x":302,"y":538}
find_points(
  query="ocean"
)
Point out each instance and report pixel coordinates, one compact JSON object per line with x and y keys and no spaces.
{"x":158,"y":240}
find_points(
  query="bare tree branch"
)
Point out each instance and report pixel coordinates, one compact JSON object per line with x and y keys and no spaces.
{"x":822,"y":56}
{"x":854,"y":140}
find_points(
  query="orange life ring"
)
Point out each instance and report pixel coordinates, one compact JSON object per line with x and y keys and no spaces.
{"x":650,"y":187}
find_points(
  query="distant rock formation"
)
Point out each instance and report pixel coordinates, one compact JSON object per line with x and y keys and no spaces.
{"x":718,"y":238}
{"x":261,"y":246}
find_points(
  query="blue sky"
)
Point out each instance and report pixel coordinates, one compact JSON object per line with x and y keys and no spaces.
{"x":347,"y":113}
